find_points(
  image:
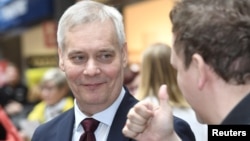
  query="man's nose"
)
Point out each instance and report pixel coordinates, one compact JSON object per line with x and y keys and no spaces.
{"x":91,"y":68}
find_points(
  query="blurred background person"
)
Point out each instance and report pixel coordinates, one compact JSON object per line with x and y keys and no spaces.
{"x":157,"y":70}
{"x":55,"y":95}
{"x":131,"y":77}
{"x":56,"y":98}
{"x":13,"y":93}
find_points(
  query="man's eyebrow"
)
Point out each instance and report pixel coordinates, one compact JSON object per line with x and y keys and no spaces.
{"x":107,"y":50}
{"x":76,"y":51}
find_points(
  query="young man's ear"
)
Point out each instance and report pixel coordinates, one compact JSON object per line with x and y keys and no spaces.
{"x":201,"y":67}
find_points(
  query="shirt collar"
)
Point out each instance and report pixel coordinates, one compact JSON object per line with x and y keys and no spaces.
{"x":106,"y":116}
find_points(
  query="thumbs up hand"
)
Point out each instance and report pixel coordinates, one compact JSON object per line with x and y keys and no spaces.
{"x":148,"y":122}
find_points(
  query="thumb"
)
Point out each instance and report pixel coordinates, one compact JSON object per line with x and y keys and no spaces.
{"x":163,"y":96}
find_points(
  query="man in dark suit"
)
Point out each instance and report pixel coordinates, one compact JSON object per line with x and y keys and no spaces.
{"x":92,"y":53}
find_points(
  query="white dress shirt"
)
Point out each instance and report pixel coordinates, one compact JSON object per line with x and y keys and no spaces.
{"x":105,"y":118}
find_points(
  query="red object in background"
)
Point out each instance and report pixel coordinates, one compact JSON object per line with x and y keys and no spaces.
{"x":11,"y":131}
{"x":3,"y":65}
{"x":49,"y":33}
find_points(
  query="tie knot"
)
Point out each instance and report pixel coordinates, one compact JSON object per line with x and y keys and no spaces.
{"x":89,"y":124}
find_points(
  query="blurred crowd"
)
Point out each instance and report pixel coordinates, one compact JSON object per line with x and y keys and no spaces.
{"x":19,"y":114}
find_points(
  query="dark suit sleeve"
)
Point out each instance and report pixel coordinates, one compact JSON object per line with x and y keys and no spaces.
{"x":36,"y":135}
{"x":183,"y":129}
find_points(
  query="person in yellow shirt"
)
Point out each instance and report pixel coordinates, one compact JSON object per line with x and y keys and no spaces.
{"x":55,"y":97}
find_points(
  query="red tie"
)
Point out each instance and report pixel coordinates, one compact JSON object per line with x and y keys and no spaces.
{"x":89,"y":125}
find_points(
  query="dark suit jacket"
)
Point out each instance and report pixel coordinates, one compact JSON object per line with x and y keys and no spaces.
{"x":240,"y":113}
{"x":60,"y":128}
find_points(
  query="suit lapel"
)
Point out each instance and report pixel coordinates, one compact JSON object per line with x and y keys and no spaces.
{"x":65,"y":127}
{"x":115,"y":133}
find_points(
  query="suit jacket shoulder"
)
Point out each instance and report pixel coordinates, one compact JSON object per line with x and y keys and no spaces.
{"x":183,"y":129}
{"x":239,"y":114}
{"x":58,"y":129}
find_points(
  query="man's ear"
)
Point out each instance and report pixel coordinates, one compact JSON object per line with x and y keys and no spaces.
{"x":201,"y":66}
{"x":60,"y":57}
{"x":124,"y":55}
